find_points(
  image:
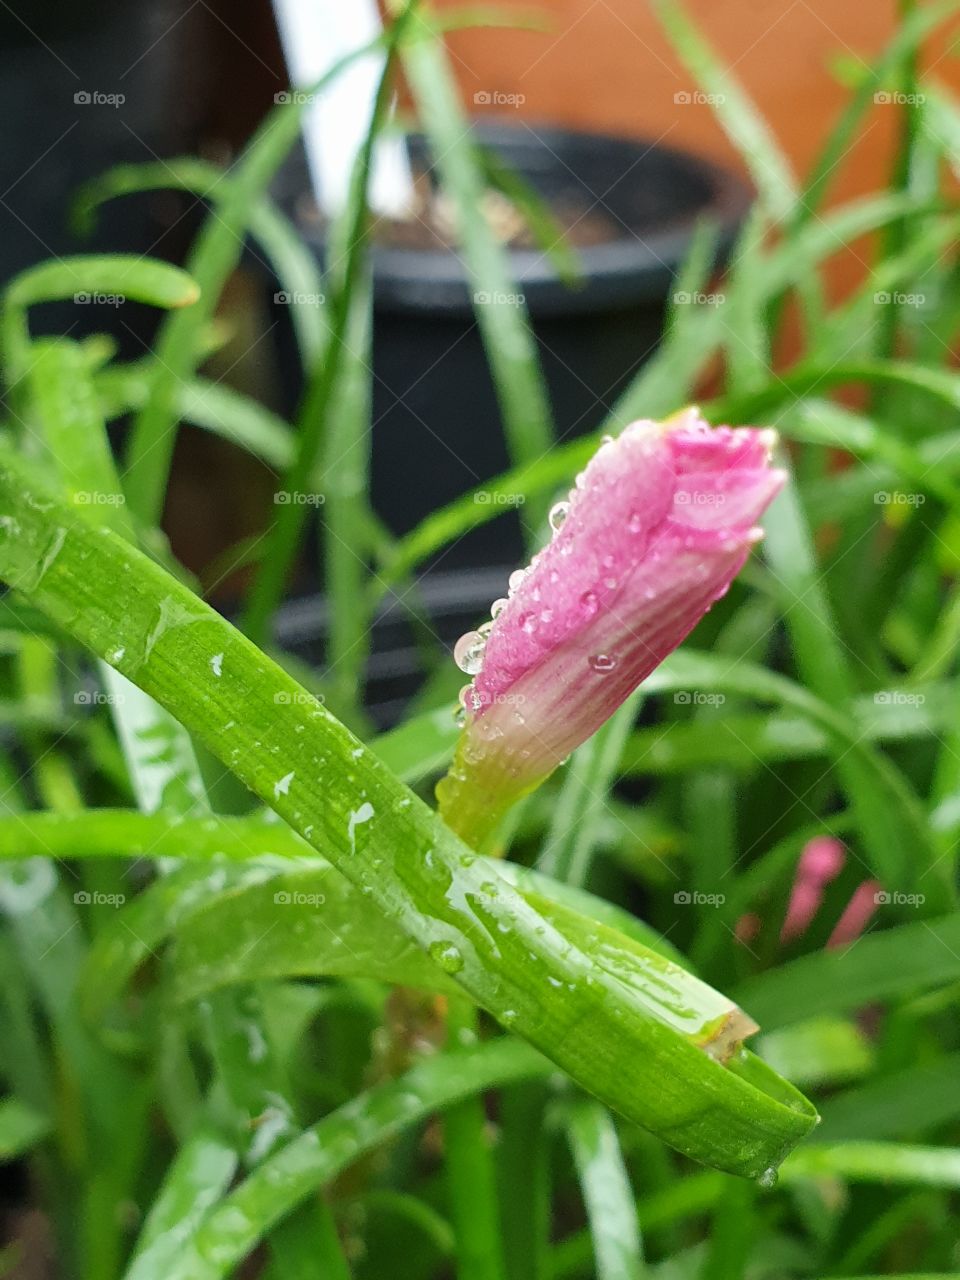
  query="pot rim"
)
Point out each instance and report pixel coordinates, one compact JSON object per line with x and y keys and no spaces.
{"x":633,"y":268}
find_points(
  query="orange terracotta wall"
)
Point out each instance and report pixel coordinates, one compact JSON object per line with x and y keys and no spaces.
{"x":605,"y":64}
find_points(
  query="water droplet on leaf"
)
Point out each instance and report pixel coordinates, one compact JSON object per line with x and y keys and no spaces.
{"x":446,"y":956}
{"x":602,"y":663}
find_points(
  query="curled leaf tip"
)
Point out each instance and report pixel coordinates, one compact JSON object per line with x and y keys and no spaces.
{"x":652,"y":534}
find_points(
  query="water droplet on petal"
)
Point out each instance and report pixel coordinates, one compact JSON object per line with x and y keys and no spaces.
{"x":469,"y":698}
{"x":498,"y":607}
{"x":588,"y":603}
{"x":602,"y":663}
{"x":515,"y":579}
{"x":558,"y":513}
{"x":468,"y":652}
{"x":528,"y":623}
{"x":635,"y":522}
{"x":460,"y":717}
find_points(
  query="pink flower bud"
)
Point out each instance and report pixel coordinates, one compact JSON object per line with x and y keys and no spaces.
{"x":857,"y":914}
{"x":658,"y":525}
{"x":820,"y":862}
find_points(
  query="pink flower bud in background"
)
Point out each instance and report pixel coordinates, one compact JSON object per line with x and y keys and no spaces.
{"x":857,"y":914}
{"x":820,"y":862}
{"x":657,"y":526}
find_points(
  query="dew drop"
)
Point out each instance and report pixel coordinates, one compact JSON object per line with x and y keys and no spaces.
{"x":768,"y":1179}
{"x":588,"y":603}
{"x":469,"y":698}
{"x":468,"y":652}
{"x":558,"y":513}
{"x":460,"y":717}
{"x":635,"y":522}
{"x":528,"y":623}
{"x":602,"y":663}
{"x":515,"y":579}
{"x":498,"y":607}
{"x":446,"y":956}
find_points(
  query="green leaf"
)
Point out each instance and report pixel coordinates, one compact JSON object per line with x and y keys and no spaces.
{"x":321,"y":780}
{"x":889,"y":965}
{"x":213,"y":257}
{"x":21,"y":1128}
{"x":906,"y":859}
{"x":606,"y":1191}
{"x":824,"y":1050}
{"x":80,"y":277}
{"x":882,"y":1162}
{"x":227,"y":1234}
{"x":739,"y":118}
{"x":508,"y":339}
{"x":293,"y":264}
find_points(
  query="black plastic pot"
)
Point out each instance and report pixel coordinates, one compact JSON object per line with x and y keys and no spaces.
{"x":436,"y":423}
{"x":86,"y":85}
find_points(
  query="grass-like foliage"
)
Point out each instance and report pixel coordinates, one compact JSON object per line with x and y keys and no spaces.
{"x":298,"y":1027}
